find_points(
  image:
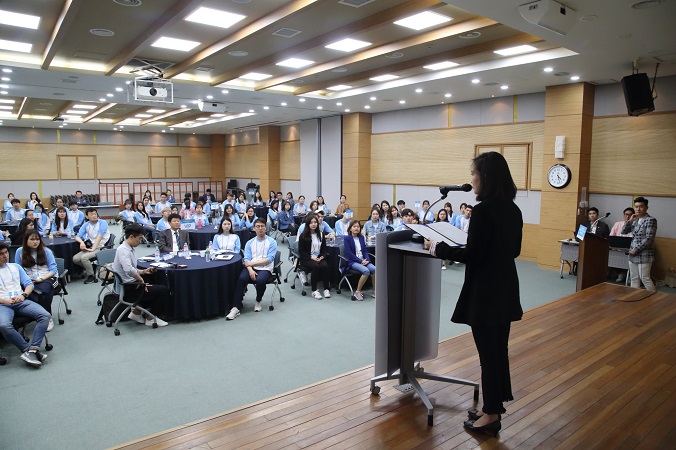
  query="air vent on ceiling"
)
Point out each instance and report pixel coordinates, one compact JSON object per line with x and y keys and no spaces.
{"x":604,"y":81}
{"x":128,"y":2}
{"x":67,"y":80}
{"x":355,"y":3}
{"x":204,"y":69}
{"x":286,"y":32}
{"x":491,"y":84}
{"x":394,"y":55}
{"x":561,"y":74}
{"x":470,"y":35}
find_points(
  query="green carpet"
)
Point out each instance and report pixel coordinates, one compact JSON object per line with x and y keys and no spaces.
{"x":97,"y":390}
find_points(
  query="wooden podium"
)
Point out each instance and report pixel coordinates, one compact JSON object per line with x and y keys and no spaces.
{"x":592,"y":265}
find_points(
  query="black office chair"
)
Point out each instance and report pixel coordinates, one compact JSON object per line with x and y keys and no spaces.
{"x":275,"y":280}
{"x":296,"y":268}
{"x":60,"y":289}
{"x":103,"y":263}
{"x":126,"y":305}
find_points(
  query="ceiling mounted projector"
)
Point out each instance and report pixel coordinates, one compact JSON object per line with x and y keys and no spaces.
{"x":149,"y":89}
{"x":550,"y":15}
{"x":212,"y":107}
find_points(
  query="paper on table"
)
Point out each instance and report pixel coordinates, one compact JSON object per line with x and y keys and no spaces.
{"x":161,"y":265}
{"x":441,"y":232}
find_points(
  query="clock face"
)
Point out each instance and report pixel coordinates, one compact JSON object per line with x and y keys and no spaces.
{"x":559,"y":176}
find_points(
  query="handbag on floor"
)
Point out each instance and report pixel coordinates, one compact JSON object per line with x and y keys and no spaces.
{"x":109,"y":302}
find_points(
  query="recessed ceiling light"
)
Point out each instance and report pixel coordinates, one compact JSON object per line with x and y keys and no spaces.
{"x":251,"y":110}
{"x":574,"y":78}
{"x":102,"y":32}
{"x":7,"y":70}
{"x":367,"y":107}
{"x":115,"y":129}
{"x":102,"y":99}
{"x":238,"y":53}
{"x":60,"y":126}
{"x":171,"y":129}
{"x":214,"y":17}
{"x":401,"y":102}
{"x":548,"y":69}
{"x":515,"y":50}
{"x":224,"y":91}
{"x":204,"y":118}
{"x":156,"y":111}
{"x":119,"y":89}
{"x":15,"y":46}
{"x":386,"y":77}
{"x":266,"y":107}
{"x":470,"y":35}
{"x":348,"y":45}
{"x":339,"y":87}
{"x":84,"y":106}
{"x":418,"y":90}
{"x":296,"y":63}
{"x":347,"y":110}
{"x":121,"y":126}
{"x":175,"y":44}
{"x":589,"y":18}
{"x":441,"y":65}
{"x":319,"y":107}
{"x":109,"y":95}
{"x":6,"y":79}
{"x":423,"y":20}
{"x":164,"y":131}
{"x":301,"y":100}
{"x":19,"y":20}
{"x":504,"y":87}
{"x":3,"y":92}
{"x":209,"y":97}
{"x":476,"y":81}
{"x":255,"y":76}
{"x":283,"y":103}
{"x":143,"y":115}
{"x":217,"y":115}
{"x":448,"y":95}
{"x":184,"y":106}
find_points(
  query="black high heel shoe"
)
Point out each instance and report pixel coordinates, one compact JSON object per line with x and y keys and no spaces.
{"x":490,"y":429}
{"x":473,"y":414}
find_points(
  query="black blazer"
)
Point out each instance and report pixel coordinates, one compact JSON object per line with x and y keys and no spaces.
{"x":165,"y":240}
{"x":601,"y":229}
{"x":305,"y":247}
{"x":490,"y":293}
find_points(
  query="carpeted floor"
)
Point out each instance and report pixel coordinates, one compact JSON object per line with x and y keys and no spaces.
{"x":97,"y":390}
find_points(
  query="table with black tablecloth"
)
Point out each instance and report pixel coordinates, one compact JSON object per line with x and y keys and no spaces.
{"x":11,"y":226}
{"x":155,"y":217}
{"x":245,"y":235}
{"x":200,"y":238}
{"x":261,"y":212}
{"x":63,"y":247}
{"x":202,"y":289}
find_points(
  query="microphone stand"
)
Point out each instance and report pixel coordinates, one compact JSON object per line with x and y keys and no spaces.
{"x":430,"y":208}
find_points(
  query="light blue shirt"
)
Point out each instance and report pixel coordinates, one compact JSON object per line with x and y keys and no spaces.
{"x":159,"y":206}
{"x":10,"y":285}
{"x":68,"y":230}
{"x":324,"y":228}
{"x":234,"y":219}
{"x":38,"y":271}
{"x":200,"y":220}
{"x":373,"y":228}
{"x":43,"y":222}
{"x":300,"y":208}
{"x":246,"y":223}
{"x":162,"y":225}
{"x":87,"y":231}
{"x":229,"y":242}
{"x":14,"y":214}
{"x":241,"y":207}
{"x":8,"y":205}
{"x":140,"y":218}
{"x":341,"y":227}
{"x":256,"y":248}
{"x":76,"y":217}
{"x":128,"y":215}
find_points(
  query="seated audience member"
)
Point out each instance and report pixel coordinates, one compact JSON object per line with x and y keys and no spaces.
{"x":93,"y":236}
{"x":456,"y":221}
{"x":147,"y":203}
{"x":147,"y":194}
{"x":201,"y":219}
{"x":230,"y":213}
{"x":449,"y":211}
{"x":257,"y":199}
{"x":442,"y":216}
{"x":229,"y":200}
{"x":342,"y":205}
{"x":187,"y":210}
{"x":25,"y":225}
{"x":170,"y":196}
{"x":249,"y":218}
{"x":280,"y":198}
{"x":423,"y":216}
{"x":289,"y":198}
{"x":259,"y":260}
{"x":208,"y":197}
{"x":342,"y":226}
{"x":42,"y":221}
{"x":407,"y":216}
{"x":323,"y":227}
{"x":128,"y":213}
{"x":32,"y":201}
{"x":61,"y":226}
{"x":358,"y":258}
{"x":163,"y":223}
{"x":401,"y":205}
{"x":163,"y":203}
{"x":8,"y":203}
{"x":241,"y":204}
{"x":40,"y":266}
{"x":384,"y":211}
{"x":285,"y":218}
{"x":79,"y":199}
{"x":173,"y":239}
{"x":300,"y":208}
{"x":174,"y":209}
{"x":271,"y":196}
{"x":4,"y":234}
{"x":395,"y":220}
{"x":125,"y":265}
{"x":643,"y":227}
{"x":142,"y":217}
{"x":313,"y":206}
{"x":225,"y":239}
{"x":617,"y":227}
{"x":465,"y":219}
{"x":321,"y":205}
{"x":273,"y":210}
{"x":59,"y":204}
{"x":75,"y":216}
{"x":374,"y":226}
{"x":312,"y":255}
{"x":15,"y":289}
{"x":595,"y":226}
{"x":16,"y":212}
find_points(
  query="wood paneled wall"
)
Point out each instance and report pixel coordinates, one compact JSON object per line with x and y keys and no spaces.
{"x":432,"y":157}
{"x":241,"y":161}
{"x":39,"y":161}
{"x":634,"y":155}
{"x":289,"y":160}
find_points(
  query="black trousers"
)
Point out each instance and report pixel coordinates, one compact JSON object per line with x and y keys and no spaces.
{"x":318,"y":271}
{"x":262,"y":277}
{"x":496,"y":385}
{"x":157,"y":296}
{"x":44,"y":299}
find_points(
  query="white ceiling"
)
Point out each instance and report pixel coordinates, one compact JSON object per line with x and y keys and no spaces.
{"x":598,"y":50}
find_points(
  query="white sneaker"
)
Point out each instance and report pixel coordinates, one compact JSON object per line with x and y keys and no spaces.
{"x":358,"y":296}
{"x":258,"y":307}
{"x":373,"y":294}
{"x":136,"y":317}
{"x":160,"y":322}
{"x":443,"y":267}
{"x":327,"y":293}
{"x":317,"y":295}
{"x":302,"y":277}
{"x":50,"y":327}
{"x":234,"y":312}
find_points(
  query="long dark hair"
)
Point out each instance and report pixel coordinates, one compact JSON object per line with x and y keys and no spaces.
{"x":57,"y":220}
{"x":496,"y":179}
{"x":27,"y":259}
{"x":220,"y":225}
{"x":143,"y":211}
{"x":306,"y":235}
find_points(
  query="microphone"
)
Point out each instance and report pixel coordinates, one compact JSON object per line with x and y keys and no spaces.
{"x":455,"y":187}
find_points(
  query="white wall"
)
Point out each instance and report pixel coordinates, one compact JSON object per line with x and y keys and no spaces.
{"x":309,"y":159}
{"x":331,"y":159}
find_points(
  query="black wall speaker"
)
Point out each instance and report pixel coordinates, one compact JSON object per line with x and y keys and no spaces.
{"x":637,"y":94}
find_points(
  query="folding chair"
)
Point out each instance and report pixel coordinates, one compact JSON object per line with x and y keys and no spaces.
{"x":346,"y":272}
{"x":275,"y":279}
{"x":128,"y":306}
{"x":104,"y":260}
{"x":296,"y":268}
{"x":275,"y":232}
{"x":60,"y":289}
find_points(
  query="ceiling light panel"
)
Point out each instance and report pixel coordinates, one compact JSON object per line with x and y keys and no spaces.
{"x":84,"y":106}
{"x":348,"y":45}
{"x":19,"y":20}
{"x":175,"y":44}
{"x":255,"y":76}
{"x":423,"y":20}
{"x":339,"y":87}
{"x":296,"y":63}
{"x":214,"y":17}
{"x":519,"y":49}
{"x":386,"y":77}
{"x":15,"y":46}
{"x":441,"y":65}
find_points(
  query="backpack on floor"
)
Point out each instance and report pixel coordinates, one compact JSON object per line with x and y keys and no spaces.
{"x":109,"y":302}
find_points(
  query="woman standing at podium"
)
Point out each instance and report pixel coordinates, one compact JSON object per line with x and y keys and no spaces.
{"x":489,"y":300}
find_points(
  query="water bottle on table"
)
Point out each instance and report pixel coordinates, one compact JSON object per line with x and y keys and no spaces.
{"x":186,"y":251}
{"x":157,"y":253}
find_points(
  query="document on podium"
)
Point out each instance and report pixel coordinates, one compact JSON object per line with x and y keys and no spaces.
{"x":441,"y":232}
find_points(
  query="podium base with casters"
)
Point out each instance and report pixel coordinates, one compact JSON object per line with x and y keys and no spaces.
{"x":407,"y":315}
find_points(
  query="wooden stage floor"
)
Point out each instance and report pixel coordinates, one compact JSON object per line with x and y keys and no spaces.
{"x":595,"y":369}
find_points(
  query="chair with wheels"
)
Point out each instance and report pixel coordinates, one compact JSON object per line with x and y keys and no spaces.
{"x":275,"y":279}
{"x":298,"y":272}
{"x":346,"y":272}
{"x":104,"y":262}
{"x":60,"y":289}
{"x":126,"y":305}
